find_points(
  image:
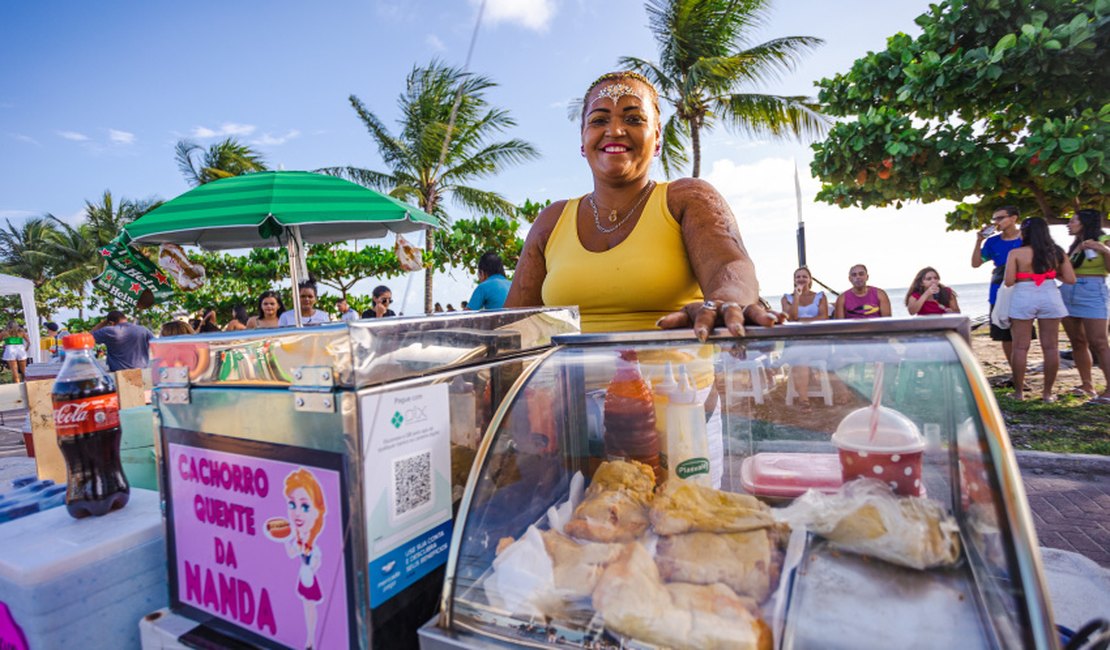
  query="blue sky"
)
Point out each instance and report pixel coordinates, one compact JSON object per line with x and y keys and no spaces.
{"x":93,"y":96}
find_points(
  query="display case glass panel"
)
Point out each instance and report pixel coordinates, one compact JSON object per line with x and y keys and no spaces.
{"x":835,"y":487}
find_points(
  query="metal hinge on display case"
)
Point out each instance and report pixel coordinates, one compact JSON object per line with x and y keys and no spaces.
{"x":173,"y":385}
{"x":313,"y":389}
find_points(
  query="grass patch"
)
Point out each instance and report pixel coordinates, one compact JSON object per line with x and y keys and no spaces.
{"x":1070,"y":425}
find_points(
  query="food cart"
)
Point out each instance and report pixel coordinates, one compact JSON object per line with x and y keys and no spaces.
{"x":310,"y":476}
{"x":879,"y":507}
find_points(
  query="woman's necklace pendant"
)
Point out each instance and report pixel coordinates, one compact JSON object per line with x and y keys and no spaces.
{"x":612,"y":216}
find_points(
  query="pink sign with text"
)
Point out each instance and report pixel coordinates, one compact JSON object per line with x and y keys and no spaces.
{"x":259,"y":544}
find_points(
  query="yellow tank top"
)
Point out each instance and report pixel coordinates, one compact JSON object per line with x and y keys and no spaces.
{"x":1092,"y":267}
{"x":630,"y":286}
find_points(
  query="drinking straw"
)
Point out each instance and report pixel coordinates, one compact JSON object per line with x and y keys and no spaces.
{"x":876,"y":400}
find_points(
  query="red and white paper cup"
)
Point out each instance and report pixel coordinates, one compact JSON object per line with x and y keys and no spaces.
{"x":892,"y":454}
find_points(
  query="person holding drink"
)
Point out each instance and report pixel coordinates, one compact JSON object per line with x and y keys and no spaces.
{"x":1087,"y":300}
{"x":803,"y":306}
{"x":993,"y":244}
{"x":928,"y":297}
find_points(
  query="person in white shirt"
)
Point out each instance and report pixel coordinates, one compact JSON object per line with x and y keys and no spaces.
{"x":309,"y":314}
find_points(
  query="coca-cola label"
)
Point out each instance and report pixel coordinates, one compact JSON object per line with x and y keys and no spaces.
{"x":86,"y":415}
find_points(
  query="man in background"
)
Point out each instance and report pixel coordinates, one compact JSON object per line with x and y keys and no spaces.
{"x":346,"y":314}
{"x":493,"y":286}
{"x":993,"y":244}
{"x":128,"y":344}
{"x":862,"y":300}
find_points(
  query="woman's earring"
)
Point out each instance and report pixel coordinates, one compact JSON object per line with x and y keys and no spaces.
{"x":583,"y":150}
{"x":658,"y":150}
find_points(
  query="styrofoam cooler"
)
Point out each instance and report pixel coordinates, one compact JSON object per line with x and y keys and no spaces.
{"x":84,"y":583}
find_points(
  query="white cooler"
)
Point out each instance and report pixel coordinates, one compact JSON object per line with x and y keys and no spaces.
{"x":83,"y":583}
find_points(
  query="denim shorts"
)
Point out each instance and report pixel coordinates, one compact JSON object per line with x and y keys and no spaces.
{"x":1030,"y":301}
{"x":1087,"y":298}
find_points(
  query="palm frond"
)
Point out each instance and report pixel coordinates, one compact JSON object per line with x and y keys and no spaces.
{"x":481,"y":201}
{"x":183,"y":154}
{"x":391,"y":149}
{"x":673,"y":155}
{"x":773,"y":115}
{"x":365,"y":177}
{"x":492,"y":159}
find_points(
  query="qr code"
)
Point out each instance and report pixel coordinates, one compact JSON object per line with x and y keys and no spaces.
{"x":412,"y":483}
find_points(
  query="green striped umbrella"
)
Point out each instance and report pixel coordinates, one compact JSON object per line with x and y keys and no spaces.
{"x":265,"y":208}
{"x":277,"y":209}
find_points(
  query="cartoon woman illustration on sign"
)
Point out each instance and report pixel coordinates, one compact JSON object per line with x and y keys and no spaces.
{"x":306,"y":515}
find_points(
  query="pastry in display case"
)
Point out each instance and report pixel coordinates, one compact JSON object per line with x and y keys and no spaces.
{"x":676,"y":494}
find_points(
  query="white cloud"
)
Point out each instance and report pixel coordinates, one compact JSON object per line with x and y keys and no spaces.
{"x":74,"y":136}
{"x":531,"y":14}
{"x":226,"y":129}
{"x":23,"y":138}
{"x":432,"y":41}
{"x":121,"y":137}
{"x":269,"y":140}
{"x":17,"y":215}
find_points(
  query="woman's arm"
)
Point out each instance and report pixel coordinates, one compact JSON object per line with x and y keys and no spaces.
{"x":1011,"y":268}
{"x":717,"y":255}
{"x":914,"y":305}
{"x":531,"y":269}
{"x":1066,"y":272}
{"x":789,"y":308}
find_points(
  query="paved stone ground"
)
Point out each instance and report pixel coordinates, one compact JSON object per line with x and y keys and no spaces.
{"x":1069,"y":495}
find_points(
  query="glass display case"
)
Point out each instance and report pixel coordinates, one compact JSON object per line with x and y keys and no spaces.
{"x":833,"y":485}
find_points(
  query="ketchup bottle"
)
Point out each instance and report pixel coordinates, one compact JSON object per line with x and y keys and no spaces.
{"x":630,"y":416}
{"x":86,"y":420}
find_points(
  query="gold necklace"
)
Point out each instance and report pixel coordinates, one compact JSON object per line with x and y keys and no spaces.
{"x":644,"y":193}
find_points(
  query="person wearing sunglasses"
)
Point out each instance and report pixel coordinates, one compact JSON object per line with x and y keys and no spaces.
{"x":382,"y":299}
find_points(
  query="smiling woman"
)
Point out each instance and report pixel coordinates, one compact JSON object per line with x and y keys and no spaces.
{"x":634,"y":254}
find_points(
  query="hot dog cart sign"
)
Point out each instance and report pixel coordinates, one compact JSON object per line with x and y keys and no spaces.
{"x":407,"y":453}
{"x":257,"y":542}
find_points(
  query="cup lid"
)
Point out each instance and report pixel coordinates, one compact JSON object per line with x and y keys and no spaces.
{"x":895,"y":432}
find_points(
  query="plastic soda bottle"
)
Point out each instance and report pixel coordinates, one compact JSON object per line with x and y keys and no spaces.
{"x":629,"y":416}
{"x":86,"y":420}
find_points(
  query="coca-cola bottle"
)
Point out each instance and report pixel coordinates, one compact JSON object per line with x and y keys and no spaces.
{"x":86,"y":420}
{"x":629,"y":416}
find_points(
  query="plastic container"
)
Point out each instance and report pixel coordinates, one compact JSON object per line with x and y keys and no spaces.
{"x":892,"y":455}
{"x":790,"y":475}
{"x":84,"y":583}
{"x":687,"y":445}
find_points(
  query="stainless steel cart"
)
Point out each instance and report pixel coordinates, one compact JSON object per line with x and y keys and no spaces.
{"x":310,"y":476}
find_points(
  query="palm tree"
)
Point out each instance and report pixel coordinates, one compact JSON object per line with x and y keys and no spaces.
{"x":27,"y":251}
{"x":221,"y":160}
{"x":704,"y":61}
{"x":77,"y":258}
{"x":106,"y":219}
{"x":430,"y":160}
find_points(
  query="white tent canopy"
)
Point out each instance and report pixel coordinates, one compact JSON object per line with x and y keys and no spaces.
{"x":9,"y":284}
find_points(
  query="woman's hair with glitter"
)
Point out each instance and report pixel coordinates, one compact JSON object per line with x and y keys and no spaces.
{"x":617,"y":76}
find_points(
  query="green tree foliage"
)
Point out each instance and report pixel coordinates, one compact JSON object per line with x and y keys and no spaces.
{"x":340,"y":268}
{"x":468,"y":240}
{"x":996,"y":102}
{"x":706,"y":61}
{"x":221,"y":160}
{"x":430,"y":161}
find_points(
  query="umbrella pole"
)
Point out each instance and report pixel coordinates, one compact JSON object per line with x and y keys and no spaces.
{"x":293,"y":239}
